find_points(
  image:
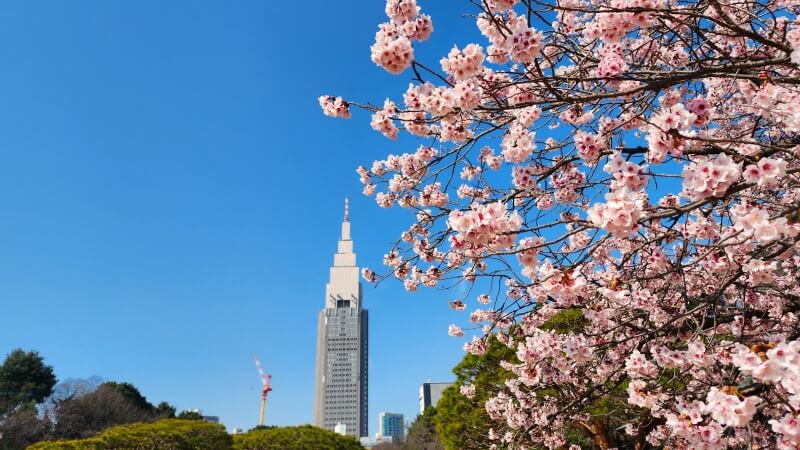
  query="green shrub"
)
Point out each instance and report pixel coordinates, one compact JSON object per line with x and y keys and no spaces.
{"x":177,"y":434}
{"x":303,"y":437}
{"x":169,"y":434}
{"x":83,"y":444}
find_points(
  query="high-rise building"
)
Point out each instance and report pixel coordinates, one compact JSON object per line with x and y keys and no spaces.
{"x":391,"y":425}
{"x":341,"y":382}
{"x":430,"y":393}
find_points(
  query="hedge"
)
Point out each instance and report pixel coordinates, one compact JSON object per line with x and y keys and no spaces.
{"x":168,"y":434}
{"x":177,"y":434}
{"x":303,"y":437}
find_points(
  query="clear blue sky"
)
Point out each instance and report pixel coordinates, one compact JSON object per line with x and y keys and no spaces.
{"x":170,"y":197}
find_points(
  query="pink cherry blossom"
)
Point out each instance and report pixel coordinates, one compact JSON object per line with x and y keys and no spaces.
{"x":455,"y":331}
{"x":401,"y":10}
{"x":619,"y":215}
{"x":393,"y":54}
{"x":710,"y":177}
{"x":334,"y":106}
{"x":643,"y":252}
{"x":462,"y":65}
{"x":525,"y":44}
{"x":382,"y":120}
{"x":729,"y":410}
{"x":467,"y":390}
{"x":518,"y":144}
{"x":767,"y":173}
{"x":589,"y":146}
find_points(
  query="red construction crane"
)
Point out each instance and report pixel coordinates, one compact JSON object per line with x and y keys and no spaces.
{"x":265,"y":381}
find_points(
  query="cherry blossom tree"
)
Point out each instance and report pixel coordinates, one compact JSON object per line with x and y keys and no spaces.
{"x":632,"y":164}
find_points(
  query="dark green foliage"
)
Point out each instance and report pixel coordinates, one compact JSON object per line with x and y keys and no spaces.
{"x":24,"y":379}
{"x":303,"y":437}
{"x":164,"y":411}
{"x":566,"y":321}
{"x":422,"y":434}
{"x":168,"y":434}
{"x":462,"y":422}
{"x":190,"y":415}
{"x":130,"y":392}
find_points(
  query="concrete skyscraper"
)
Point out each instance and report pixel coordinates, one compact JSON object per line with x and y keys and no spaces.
{"x":341,"y":383}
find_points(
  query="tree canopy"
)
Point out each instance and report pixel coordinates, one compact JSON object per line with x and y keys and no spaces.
{"x":24,"y":378}
{"x":130,"y":392}
{"x":422,"y":434}
{"x":294,"y":438}
{"x":635,"y":163}
{"x":167,"y":434}
{"x":86,"y":415}
{"x":75,"y":408}
{"x":164,"y":411}
{"x":190,"y":415}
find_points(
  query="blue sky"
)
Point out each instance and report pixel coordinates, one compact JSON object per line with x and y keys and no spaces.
{"x":170,"y":197}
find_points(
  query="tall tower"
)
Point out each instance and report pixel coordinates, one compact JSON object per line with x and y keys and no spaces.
{"x":341,"y":383}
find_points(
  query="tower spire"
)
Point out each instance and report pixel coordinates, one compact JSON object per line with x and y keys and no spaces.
{"x":346,"y":221}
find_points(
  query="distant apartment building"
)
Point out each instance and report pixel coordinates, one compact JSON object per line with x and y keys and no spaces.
{"x":430,"y":393}
{"x":391,"y":425}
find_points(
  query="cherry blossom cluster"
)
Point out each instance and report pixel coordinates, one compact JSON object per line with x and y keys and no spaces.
{"x":518,"y":144}
{"x":524,"y":177}
{"x":525,"y":44}
{"x":620,"y":213}
{"x":620,"y":180}
{"x":668,"y":132}
{"x":755,"y":222}
{"x":567,"y":183}
{"x":462,"y":65}
{"x":613,"y":26}
{"x":626,"y":174}
{"x":710,"y":177}
{"x":393,"y":49}
{"x":490,"y":226}
{"x":766,"y":173}
{"x":589,"y":146}
{"x":612,"y":62}
{"x":702,"y":421}
{"x":334,"y":106}
{"x":382,"y":120}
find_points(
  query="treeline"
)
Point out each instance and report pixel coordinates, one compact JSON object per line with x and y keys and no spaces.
{"x":37,"y":413}
{"x":34,"y":407}
{"x":95,"y":415}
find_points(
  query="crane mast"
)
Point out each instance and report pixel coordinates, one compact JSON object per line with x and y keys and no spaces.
{"x":266,"y":381}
